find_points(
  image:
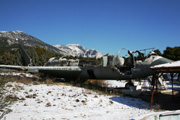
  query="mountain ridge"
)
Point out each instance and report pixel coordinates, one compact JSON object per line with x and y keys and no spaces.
{"x":10,"y":39}
{"x":78,"y":50}
{"x":19,"y":37}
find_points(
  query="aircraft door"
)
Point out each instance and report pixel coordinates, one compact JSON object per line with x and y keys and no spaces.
{"x":91,"y":74}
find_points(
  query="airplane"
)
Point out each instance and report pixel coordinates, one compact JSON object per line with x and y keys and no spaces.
{"x":112,"y":67}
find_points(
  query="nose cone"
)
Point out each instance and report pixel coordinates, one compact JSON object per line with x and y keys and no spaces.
{"x":160,"y":60}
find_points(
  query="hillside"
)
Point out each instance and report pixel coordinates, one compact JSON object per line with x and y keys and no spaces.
{"x":11,"y":40}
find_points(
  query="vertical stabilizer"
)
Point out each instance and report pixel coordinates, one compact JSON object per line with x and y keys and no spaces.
{"x":26,"y":57}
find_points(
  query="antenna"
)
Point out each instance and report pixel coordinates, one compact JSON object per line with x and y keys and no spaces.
{"x":147,"y":49}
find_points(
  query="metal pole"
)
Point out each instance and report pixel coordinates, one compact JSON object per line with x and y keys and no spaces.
{"x":156,"y":80}
{"x":172,"y":85}
{"x":153,"y":81}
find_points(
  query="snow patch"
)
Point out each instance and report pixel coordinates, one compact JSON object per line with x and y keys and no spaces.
{"x":56,"y":102}
{"x":78,"y":50}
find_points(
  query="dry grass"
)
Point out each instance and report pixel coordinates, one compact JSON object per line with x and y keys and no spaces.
{"x":97,"y":82}
{"x":20,"y":80}
{"x":5,"y":100}
{"x":27,"y":81}
{"x":48,"y":81}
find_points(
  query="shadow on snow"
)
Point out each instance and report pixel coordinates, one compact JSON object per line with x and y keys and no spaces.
{"x":131,"y":102}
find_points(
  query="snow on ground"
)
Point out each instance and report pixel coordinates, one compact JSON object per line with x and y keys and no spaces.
{"x":145,"y":85}
{"x":174,"y":64}
{"x":56,"y":102}
{"x":122,"y":83}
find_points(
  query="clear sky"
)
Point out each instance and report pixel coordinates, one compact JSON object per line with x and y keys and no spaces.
{"x":105,"y":25}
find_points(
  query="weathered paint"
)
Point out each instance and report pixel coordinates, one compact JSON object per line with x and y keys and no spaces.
{"x":58,"y":71}
{"x":107,"y":71}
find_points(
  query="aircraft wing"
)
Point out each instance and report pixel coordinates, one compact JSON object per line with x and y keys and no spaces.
{"x":36,"y":69}
{"x":12,"y":67}
{"x":57,"y":71}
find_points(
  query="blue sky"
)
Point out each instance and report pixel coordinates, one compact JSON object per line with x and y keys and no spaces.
{"x":105,"y":25}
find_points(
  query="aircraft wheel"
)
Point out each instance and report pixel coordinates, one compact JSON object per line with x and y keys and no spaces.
{"x":128,"y":85}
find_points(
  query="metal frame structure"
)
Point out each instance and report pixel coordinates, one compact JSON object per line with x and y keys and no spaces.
{"x":173,"y":68}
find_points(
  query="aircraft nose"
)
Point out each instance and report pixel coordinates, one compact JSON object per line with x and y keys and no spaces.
{"x":161,"y":60}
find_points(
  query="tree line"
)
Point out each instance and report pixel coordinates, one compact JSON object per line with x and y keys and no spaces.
{"x":40,"y":56}
{"x":172,"y":53}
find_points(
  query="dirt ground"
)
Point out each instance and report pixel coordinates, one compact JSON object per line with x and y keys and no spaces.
{"x":163,"y":101}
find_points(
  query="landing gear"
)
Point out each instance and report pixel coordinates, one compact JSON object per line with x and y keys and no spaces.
{"x":129,"y":84}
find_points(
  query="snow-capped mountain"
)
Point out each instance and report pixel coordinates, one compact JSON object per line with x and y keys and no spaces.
{"x":11,"y":39}
{"x":78,"y":50}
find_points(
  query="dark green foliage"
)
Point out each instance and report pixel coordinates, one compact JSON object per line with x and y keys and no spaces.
{"x":172,"y":53}
{"x":158,"y":52}
{"x":9,"y":57}
{"x":43,"y":55}
{"x":39,"y":55}
{"x":33,"y":55}
{"x":4,"y":42}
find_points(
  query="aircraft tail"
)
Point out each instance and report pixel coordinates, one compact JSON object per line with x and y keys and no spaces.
{"x":26,"y":57}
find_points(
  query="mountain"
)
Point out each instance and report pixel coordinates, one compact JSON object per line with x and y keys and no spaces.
{"x":11,"y":40}
{"x":78,"y":50}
